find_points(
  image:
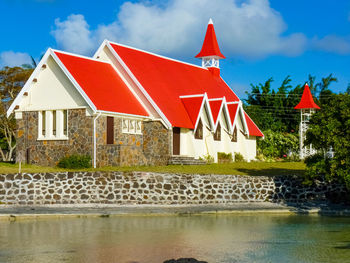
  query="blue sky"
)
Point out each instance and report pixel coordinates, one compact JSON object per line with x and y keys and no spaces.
{"x":260,"y":38}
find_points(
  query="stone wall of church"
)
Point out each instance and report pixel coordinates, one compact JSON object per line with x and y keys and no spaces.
{"x":152,"y":147}
{"x":49,"y":152}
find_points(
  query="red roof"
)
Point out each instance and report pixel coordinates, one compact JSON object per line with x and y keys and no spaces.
{"x":306,"y":102}
{"x":165,"y":80}
{"x":193,"y":107}
{"x":232,"y":109}
{"x":210,"y":45}
{"x":102,"y":85}
{"x":215,"y":106}
{"x":253,"y":129}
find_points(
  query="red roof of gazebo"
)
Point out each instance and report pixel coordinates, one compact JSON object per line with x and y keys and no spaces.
{"x":306,"y":102}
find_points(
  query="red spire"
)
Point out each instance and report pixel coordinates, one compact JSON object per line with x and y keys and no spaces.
{"x":210,"y":45}
{"x":306,"y":102}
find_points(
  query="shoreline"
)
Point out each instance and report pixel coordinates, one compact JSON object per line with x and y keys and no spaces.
{"x":18,"y":212}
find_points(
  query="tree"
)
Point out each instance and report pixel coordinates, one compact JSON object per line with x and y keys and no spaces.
{"x":330,"y":129}
{"x":12,"y":80}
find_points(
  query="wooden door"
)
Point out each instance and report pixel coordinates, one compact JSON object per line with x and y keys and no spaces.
{"x":176,"y":141}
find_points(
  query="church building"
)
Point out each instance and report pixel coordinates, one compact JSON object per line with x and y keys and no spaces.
{"x":126,"y":106}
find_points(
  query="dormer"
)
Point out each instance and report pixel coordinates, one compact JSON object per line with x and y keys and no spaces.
{"x":210,"y":52}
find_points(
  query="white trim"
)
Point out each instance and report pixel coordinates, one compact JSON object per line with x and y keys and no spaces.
{"x":214,"y":99}
{"x":95,"y":143}
{"x":138,"y":84}
{"x":71,"y":78}
{"x":210,"y":21}
{"x":157,"y":55}
{"x":131,"y":89}
{"x":191,"y":96}
{"x":210,"y":116}
{"x":100,"y":48}
{"x":125,"y":115}
{"x":26,"y":86}
{"x":232,"y":102}
{"x":227,"y":115}
{"x":53,"y":108}
{"x":218,"y":118}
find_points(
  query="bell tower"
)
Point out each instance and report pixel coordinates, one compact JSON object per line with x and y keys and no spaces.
{"x":307,"y":107}
{"x":210,"y":52}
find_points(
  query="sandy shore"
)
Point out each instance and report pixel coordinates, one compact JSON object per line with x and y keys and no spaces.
{"x":9,"y":212}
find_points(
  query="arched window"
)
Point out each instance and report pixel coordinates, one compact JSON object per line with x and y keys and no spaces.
{"x":234,"y":135}
{"x":199,"y":131}
{"x":217,"y":134}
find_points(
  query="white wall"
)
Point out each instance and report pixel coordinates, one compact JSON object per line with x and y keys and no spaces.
{"x":53,"y":90}
{"x":189,"y":146}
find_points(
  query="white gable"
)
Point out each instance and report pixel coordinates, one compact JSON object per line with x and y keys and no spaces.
{"x":52,"y":90}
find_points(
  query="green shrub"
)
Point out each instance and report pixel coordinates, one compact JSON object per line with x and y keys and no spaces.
{"x":75,"y":161}
{"x":224,"y":157}
{"x":207,"y":158}
{"x":278,"y":144}
{"x":239,"y":157}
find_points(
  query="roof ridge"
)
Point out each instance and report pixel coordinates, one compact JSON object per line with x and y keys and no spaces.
{"x":157,"y":55}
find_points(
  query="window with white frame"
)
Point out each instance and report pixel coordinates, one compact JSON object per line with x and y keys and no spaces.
{"x":53,"y":125}
{"x":131,"y":126}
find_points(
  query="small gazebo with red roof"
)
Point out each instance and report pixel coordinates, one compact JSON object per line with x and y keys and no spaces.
{"x":307,"y":107}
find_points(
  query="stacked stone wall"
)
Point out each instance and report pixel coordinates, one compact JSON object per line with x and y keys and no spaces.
{"x":49,"y":152}
{"x":154,"y":188}
{"x":152,"y":147}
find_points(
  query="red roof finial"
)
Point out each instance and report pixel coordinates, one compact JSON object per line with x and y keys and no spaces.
{"x":306,"y":102}
{"x":210,"y":45}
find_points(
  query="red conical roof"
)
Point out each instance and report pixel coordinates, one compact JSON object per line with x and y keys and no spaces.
{"x":210,"y":45}
{"x":306,"y":102}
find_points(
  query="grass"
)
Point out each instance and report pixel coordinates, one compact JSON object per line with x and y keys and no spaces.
{"x":253,"y":168}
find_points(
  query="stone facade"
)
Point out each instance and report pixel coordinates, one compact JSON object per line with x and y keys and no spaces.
{"x":154,"y":188}
{"x":152,"y":147}
{"x":49,"y":152}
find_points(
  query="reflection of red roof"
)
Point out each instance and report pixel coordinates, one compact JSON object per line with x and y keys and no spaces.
{"x":306,"y":102}
{"x":253,"y":129}
{"x":215,"y":106}
{"x":165,"y":80}
{"x":210,"y":45}
{"x":193,"y":107}
{"x":102,"y":85}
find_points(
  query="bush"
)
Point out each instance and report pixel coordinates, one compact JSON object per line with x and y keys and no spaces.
{"x":239,"y":157}
{"x":224,"y":157}
{"x":75,"y":161}
{"x":207,"y":158}
{"x":278,"y":144}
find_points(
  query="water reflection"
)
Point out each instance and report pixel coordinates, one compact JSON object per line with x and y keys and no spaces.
{"x":224,"y":238}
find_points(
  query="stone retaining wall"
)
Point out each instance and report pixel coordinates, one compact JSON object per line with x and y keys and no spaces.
{"x":154,"y":188}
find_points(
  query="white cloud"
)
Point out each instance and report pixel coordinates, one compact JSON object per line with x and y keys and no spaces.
{"x":11,"y":59}
{"x":332,"y":44}
{"x":251,"y":29}
{"x":74,"y":35}
{"x":245,"y":28}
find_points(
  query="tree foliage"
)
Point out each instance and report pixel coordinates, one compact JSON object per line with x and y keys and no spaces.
{"x":330,"y":129}
{"x":274,"y":110}
{"x":12,"y":80}
{"x":278,"y":144}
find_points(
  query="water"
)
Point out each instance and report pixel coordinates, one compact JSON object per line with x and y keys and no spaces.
{"x":152,"y":239}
